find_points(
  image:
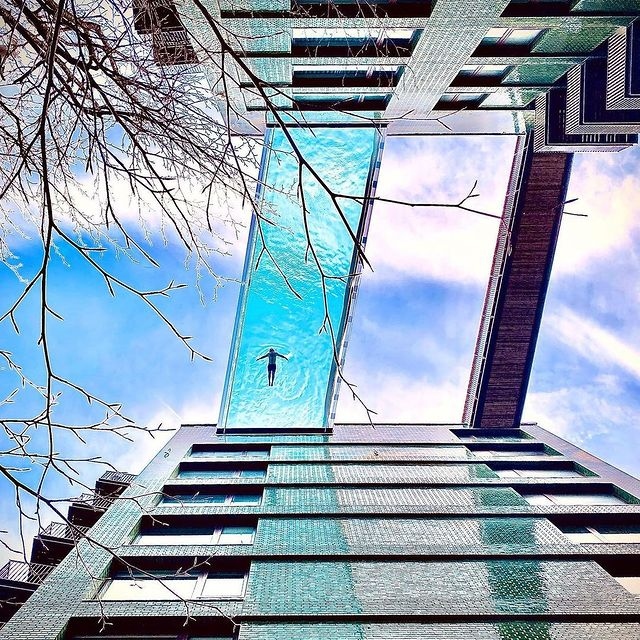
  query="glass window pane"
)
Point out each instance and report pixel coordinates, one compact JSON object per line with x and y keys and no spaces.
{"x":507,"y":473}
{"x":149,"y":589}
{"x":237,"y":535}
{"x":219,"y":586}
{"x":260,"y":454}
{"x":537,"y":498}
{"x":351,"y":33}
{"x":246,"y":499}
{"x":548,"y":473}
{"x":621,"y":537}
{"x":585,"y":537}
{"x":503,"y":453}
{"x":253,"y":473}
{"x":520,"y":37}
{"x":167,"y":539}
{"x":207,"y":473}
{"x":586,"y":498}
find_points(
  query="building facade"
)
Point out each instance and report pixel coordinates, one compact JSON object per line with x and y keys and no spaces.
{"x":374,"y":533}
{"x":392,"y":532}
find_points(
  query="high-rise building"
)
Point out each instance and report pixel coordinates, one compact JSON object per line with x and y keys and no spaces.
{"x":392,"y":532}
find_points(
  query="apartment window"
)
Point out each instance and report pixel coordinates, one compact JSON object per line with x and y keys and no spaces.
{"x":368,"y":102}
{"x":222,"y":499}
{"x":481,"y":74}
{"x":538,"y":473}
{"x":352,"y":36}
{"x":218,"y":536}
{"x":573,"y":498}
{"x":222,"y":473}
{"x":602,"y":534}
{"x":348,"y":42}
{"x":512,"y":38}
{"x":125,"y":586}
{"x":345,"y":75}
{"x":506,"y":453}
{"x":231,"y":454}
{"x":455,"y":101}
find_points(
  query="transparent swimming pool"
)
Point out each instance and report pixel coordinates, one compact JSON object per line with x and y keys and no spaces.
{"x":269,"y":314}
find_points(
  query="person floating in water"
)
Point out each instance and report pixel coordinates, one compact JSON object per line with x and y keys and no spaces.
{"x":271,"y":366}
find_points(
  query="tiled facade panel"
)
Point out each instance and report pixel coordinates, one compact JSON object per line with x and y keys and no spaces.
{"x":491,"y":587}
{"x":355,"y":452}
{"x":380,"y":473}
{"x":322,"y":499}
{"x":350,"y":434}
{"x":362,"y":536}
{"x":513,"y":630}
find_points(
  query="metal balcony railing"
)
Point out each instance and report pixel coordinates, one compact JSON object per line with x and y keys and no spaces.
{"x":118,"y":477}
{"x":29,"y":572}
{"x":62,"y":530}
{"x":93,"y":501}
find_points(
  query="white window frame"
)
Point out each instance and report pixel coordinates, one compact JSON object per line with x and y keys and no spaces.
{"x":552,"y":499}
{"x":526,"y":473}
{"x":379,"y":34}
{"x":603,"y":538}
{"x":213,"y":537}
{"x":501,"y":36}
{"x":506,"y":453}
{"x":231,"y":473}
{"x":228,"y":500}
{"x":199,"y":580}
{"x":258,"y":454}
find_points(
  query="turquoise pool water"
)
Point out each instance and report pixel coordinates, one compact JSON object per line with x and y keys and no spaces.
{"x":269,"y":314}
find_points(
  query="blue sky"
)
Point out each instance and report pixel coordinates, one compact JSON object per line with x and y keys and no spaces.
{"x":416,"y":317}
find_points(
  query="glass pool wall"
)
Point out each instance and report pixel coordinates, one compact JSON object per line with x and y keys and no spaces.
{"x":270,"y":314}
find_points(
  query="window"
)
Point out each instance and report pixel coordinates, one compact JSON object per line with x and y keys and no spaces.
{"x":350,"y":102}
{"x":222,"y":473}
{"x":356,"y":75}
{"x":501,"y":37}
{"x":504,"y":453}
{"x":174,"y":587}
{"x":455,"y":101}
{"x":244,"y":499}
{"x":232,"y":454}
{"x":347,"y":42}
{"x":538,"y":473}
{"x":481,"y":74}
{"x":602,"y":534}
{"x":573,"y":498}
{"x":353,"y":36}
{"x":220,"y":535}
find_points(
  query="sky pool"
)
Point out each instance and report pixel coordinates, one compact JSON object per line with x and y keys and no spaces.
{"x":269,"y":313}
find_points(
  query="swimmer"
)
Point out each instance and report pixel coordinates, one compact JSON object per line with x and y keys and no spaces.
{"x":271,"y":366}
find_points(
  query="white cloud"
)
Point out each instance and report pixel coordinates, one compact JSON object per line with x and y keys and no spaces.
{"x":608,"y":193}
{"x":447,"y":245}
{"x":593,"y":342}
{"x":402,"y":398}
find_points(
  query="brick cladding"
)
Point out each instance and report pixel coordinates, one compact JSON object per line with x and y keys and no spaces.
{"x":441,"y":631}
{"x":358,"y":571}
{"x":520,"y":587}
